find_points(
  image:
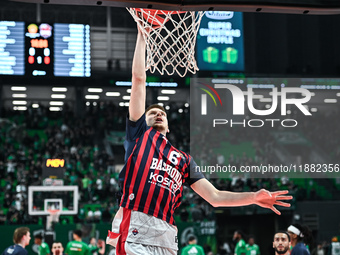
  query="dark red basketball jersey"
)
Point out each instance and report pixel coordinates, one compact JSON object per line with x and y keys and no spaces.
{"x":154,"y":173}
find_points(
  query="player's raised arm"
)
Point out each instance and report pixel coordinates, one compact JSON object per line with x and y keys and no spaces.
{"x":138,"y":91}
{"x":262,"y":197}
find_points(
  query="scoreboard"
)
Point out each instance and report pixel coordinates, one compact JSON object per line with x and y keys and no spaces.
{"x":12,"y":48}
{"x":72,"y":50}
{"x":42,"y":49}
{"x":39,"y":49}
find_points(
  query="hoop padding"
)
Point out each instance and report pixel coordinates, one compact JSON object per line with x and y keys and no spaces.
{"x":170,"y":38}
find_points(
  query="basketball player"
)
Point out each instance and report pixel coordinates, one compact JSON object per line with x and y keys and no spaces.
{"x":240,"y":247}
{"x":252,"y":247}
{"x":77,"y":247}
{"x":97,"y":247}
{"x":153,"y":176}
{"x":192,"y":248}
{"x":43,"y":249}
{"x":57,"y":248}
{"x":281,"y":243}
{"x":21,"y":239}
{"x":334,"y":247}
{"x":300,"y":236}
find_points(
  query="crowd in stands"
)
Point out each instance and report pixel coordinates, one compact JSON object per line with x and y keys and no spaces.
{"x":28,"y":138}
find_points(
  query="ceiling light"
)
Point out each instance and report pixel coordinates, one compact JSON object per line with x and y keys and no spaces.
{"x":19,"y":95}
{"x":112,"y":94}
{"x":57,"y":103}
{"x":55,"y":109}
{"x":168,"y":91}
{"x":19,"y":108}
{"x":163,"y":98}
{"x":17,"y":88}
{"x":58,"y":96}
{"x":95,"y":90}
{"x":330,"y":101}
{"x":59,"y":89}
{"x":19,"y":102}
{"x":92,"y":97}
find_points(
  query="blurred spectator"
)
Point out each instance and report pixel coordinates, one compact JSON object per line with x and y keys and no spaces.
{"x":281,"y":243}
{"x":43,"y":249}
{"x":252,"y":248}
{"x":225,"y":249}
{"x":77,"y":247}
{"x":57,"y":248}
{"x":97,"y":215}
{"x":90,"y":216}
{"x":334,"y":248}
{"x":97,"y":247}
{"x":192,"y":247}
{"x":319,"y":250}
{"x":240,"y":247}
{"x":21,"y":238}
{"x":300,"y":236}
{"x":99,"y":187}
{"x":220,"y":159}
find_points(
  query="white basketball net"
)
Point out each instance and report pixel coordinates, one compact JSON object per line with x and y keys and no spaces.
{"x":52,"y":217}
{"x":170,"y":44}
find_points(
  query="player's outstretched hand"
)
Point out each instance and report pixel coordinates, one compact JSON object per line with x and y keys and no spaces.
{"x":267,"y":199}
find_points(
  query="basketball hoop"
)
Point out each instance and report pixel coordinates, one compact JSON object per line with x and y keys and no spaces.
{"x":170,"y":38}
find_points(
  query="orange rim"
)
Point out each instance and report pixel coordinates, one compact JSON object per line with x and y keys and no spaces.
{"x":159,"y":12}
{"x":53,"y":211}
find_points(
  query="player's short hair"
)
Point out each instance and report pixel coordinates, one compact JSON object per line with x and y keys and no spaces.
{"x":56,"y":242}
{"x":251,"y":236}
{"x":19,"y":233}
{"x":78,"y":232}
{"x":241,"y":233}
{"x":39,"y":236}
{"x":191,"y":238}
{"x":283,"y":232}
{"x":155,"y":106}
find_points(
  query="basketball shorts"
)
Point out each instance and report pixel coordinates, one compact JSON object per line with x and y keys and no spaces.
{"x":134,"y":232}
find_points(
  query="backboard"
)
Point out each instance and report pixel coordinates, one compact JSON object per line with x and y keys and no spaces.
{"x":269,"y":6}
{"x":41,"y":199}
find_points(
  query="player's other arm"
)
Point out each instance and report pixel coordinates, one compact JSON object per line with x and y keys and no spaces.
{"x":218,"y":198}
{"x":138,"y":91}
